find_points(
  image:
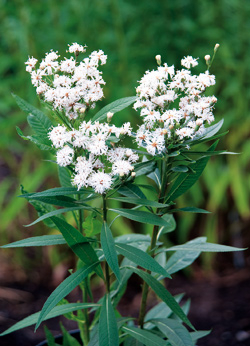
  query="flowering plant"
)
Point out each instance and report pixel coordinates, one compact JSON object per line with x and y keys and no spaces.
{"x":98,"y":168}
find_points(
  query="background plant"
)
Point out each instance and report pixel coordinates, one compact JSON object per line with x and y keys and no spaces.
{"x":170,"y":131}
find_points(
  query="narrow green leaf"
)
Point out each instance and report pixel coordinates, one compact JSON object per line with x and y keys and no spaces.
{"x":108,"y":330}
{"x":58,"y":212}
{"x":176,"y":333}
{"x":67,"y":338}
{"x":155,"y":176}
{"x":185,"y":180}
{"x":207,"y":247}
{"x":113,"y":107}
{"x":141,"y":216}
{"x":144,"y":168}
{"x":145,"y":337}
{"x":64,"y":176}
{"x":133,"y":238}
{"x":61,"y":201}
{"x":180,"y":168}
{"x":56,"y":311}
{"x":169,"y":227}
{"x":199,"y":334}
{"x":39,"y":122}
{"x":57,"y":191}
{"x":20,"y":133}
{"x":78,"y":243}
{"x":209,"y":132}
{"x":141,"y":258}
{"x":140,"y":201}
{"x":109,"y":251}
{"x":131,"y":190}
{"x":64,"y":289}
{"x":191,"y":210}
{"x":160,"y":310}
{"x":164,"y":295}
{"x":44,"y":240}
{"x":49,"y":337}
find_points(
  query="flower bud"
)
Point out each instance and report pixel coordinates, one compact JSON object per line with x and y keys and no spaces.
{"x":158,"y":59}
{"x":207,"y":57}
{"x":133,"y":174}
{"x":216,"y":47}
{"x":82,"y":110}
{"x":199,"y":122}
{"x":109,"y":116}
{"x":171,"y":127}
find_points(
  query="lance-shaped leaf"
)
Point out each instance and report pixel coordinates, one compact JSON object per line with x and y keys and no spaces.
{"x":39,"y":122}
{"x":58,"y":212}
{"x":169,"y":227}
{"x":44,"y":240}
{"x":160,"y":310}
{"x":131,"y":190}
{"x":164,"y":294}
{"x":176,"y":333}
{"x":109,"y":251}
{"x":56,"y":191}
{"x":108,"y":330}
{"x":114,"y":107}
{"x":78,"y":243}
{"x":145,"y":337}
{"x":56,"y":311}
{"x":207,"y":247}
{"x":141,"y":258}
{"x":141,"y":216}
{"x":199,"y":334}
{"x":191,"y":210}
{"x":185,"y":180}
{"x":64,"y":289}
{"x":61,"y":201}
{"x":140,"y":201}
{"x":144,"y":168}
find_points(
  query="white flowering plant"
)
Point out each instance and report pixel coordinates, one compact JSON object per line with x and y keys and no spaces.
{"x":96,"y":168}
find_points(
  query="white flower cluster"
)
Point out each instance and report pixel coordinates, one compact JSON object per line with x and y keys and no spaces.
{"x":92,"y":154}
{"x":173,"y":105}
{"x":68,"y":85}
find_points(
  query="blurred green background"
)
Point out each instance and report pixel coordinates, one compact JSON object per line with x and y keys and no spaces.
{"x":131,"y":34}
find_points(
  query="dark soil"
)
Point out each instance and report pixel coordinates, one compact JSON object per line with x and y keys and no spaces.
{"x":220,"y":302}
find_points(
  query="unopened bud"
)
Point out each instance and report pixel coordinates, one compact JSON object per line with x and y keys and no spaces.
{"x":109,"y":116}
{"x":121,"y":175}
{"x":171,"y":127}
{"x":158,"y":59}
{"x":216,"y":47}
{"x":133,"y":174}
{"x":164,"y":131}
{"x":214,"y":99}
{"x":199,"y":122}
{"x":207,"y":57}
{"x":82,"y":110}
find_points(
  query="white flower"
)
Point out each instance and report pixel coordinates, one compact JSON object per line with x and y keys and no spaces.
{"x":122,"y":167}
{"x":59,"y":136}
{"x":189,"y":61}
{"x":31,"y":62}
{"x":76,"y":48}
{"x":100,"y":181}
{"x":64,"y":157}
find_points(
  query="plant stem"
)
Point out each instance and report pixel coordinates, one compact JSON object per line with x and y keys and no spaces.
{"x":85,"y":328}
{"x":145,"y":285}
{"x":107,"y":282}
{"x":142,"y":313}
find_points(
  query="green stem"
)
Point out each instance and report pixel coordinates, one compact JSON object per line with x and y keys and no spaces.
{"x":142,"y":313}
{"x":107,"y":281}
{"x":84,"y":328}
{"x":145,"y":288}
